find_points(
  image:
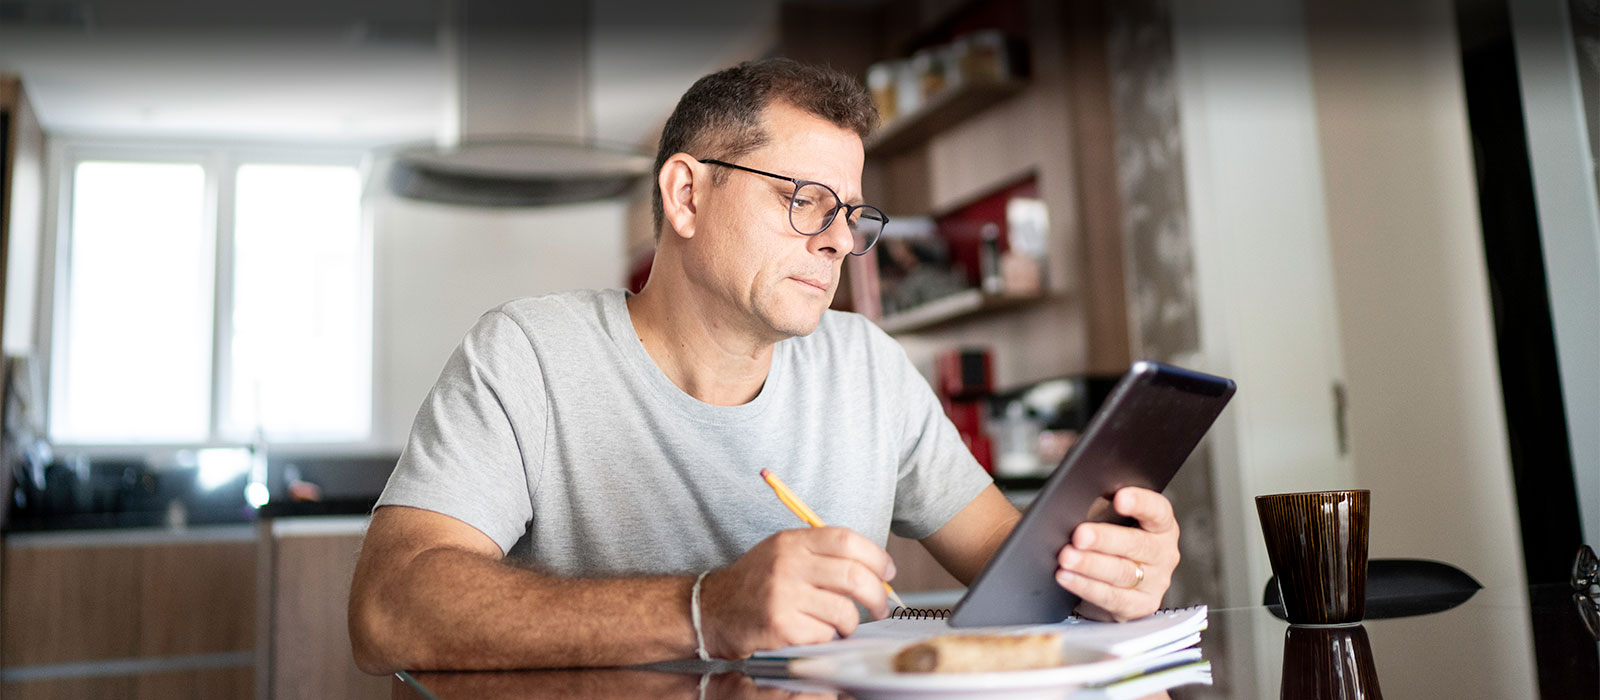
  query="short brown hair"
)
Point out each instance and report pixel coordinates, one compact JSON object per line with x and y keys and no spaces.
{"x":720,"y":115}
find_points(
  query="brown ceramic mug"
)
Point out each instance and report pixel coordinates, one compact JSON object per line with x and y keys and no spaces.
{"x":1317,"y":543}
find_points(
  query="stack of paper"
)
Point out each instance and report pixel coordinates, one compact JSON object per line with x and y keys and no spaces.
{"x":1104,"y":655}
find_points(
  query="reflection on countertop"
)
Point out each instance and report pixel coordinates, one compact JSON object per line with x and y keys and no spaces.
{"x":115,"y":493}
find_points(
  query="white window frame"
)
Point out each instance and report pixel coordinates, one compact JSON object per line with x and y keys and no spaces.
{"x":221,"y":161}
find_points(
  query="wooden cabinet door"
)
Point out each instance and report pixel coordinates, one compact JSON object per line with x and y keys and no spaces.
{"x":129,"y":614}
{"x":314,"y":560}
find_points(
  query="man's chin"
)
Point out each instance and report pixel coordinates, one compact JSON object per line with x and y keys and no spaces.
{"x":797,"y":323}
{"x":798,"y":329}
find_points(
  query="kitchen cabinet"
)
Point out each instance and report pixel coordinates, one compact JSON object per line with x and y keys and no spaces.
{"x":214,"y":612}
{"x":308,"y":564}
{"x":137,"y":613}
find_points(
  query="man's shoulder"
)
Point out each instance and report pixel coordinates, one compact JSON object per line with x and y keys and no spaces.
{"x":582,"y":304}
{"x":562,"y":318}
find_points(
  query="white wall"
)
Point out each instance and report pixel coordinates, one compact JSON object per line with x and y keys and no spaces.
{"x":1427,"y":424}
{"x":1336,"y":234}
{"x":1262,"y":275}
{"x":1254,"y":187}
{"x":437,"y":268}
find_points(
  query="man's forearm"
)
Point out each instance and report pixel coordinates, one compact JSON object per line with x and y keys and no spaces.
{"x":453,"y":609}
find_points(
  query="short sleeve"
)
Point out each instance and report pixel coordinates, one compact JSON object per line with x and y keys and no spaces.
{"x":477,"y":444}
{"x":938,"y":475}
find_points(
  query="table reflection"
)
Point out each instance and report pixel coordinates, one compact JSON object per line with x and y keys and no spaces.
{"x":1502,"y":643}
{"x":638,"y":684}
{"x":1328,"y":663}
{"x":595,"y":684}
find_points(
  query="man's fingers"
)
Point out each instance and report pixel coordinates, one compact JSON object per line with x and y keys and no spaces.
{"x":1115,"y":571}
{"x":831,"y":609}
{"x":1122,"y":603}
{"x":796,"y":587}
{"x":1120,"y":541}
{"x":805,"y":628}
{"x":1151,"y":509}
{"x":1104,"y":562}
{"x":851,"y":578}
{"x":849,"y":544}
{"x":843,"y":564}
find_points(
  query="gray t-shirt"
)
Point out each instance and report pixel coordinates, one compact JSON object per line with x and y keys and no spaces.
{"x":553,"y":432}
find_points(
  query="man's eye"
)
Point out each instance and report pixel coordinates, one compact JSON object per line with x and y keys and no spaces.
{"x":802,"y":203}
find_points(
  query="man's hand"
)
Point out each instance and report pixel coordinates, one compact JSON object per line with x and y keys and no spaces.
{"x":796,"y":587}
{"x":1102,"y":564}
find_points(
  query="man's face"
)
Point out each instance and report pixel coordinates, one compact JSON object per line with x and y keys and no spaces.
{"x":772,"y":278}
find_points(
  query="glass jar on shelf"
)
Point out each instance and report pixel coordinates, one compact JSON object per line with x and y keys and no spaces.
{"x":1017,"y":438}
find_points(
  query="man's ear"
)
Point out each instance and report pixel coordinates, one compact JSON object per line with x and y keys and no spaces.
{"x":677,"y":182}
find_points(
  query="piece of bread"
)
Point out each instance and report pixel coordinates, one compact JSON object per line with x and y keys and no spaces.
{"x":977,"y":653}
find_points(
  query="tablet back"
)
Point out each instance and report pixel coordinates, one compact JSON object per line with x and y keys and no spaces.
{"x":1141,"y":435}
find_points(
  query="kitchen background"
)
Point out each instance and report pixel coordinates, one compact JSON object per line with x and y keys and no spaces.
{"x":1378,"y":217}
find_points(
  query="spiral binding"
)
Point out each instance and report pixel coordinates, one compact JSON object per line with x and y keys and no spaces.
{"x":943,"y":613}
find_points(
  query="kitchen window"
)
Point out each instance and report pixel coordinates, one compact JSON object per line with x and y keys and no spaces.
{"x":210,"y":297}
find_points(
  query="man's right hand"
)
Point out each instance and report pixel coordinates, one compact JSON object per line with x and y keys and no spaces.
{"x":796,"y":587}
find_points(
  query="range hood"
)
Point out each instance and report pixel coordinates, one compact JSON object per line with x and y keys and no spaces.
{"x":518,"y":133}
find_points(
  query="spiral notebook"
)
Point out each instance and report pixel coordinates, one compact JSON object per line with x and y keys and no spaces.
{"x":1167,"y":629}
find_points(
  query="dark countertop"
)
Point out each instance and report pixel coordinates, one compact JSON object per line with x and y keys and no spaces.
{"x":110,"y":494}
{"x":339,"y":506}
{"x":348,"y":485}
{"x":27,"y":522}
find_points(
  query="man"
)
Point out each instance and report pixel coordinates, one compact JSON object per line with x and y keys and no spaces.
{"x":610,"y":445}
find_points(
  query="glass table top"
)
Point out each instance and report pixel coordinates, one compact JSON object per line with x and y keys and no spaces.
{"x":1512,"y":643}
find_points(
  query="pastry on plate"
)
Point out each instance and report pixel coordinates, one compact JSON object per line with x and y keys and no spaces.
{"x":978,"y":653}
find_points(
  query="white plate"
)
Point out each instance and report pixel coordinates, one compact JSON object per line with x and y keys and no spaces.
{"x":871,"y":676}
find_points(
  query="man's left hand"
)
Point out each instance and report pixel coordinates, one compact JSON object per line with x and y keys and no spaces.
{"x":1122,"y":572}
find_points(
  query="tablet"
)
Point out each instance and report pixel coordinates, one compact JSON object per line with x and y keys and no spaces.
{"x":1148,"y":425}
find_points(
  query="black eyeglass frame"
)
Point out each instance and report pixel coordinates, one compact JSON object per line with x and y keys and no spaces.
{"x":848,"y":209}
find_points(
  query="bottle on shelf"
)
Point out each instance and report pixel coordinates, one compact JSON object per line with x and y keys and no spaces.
{"x":1018,"y":438}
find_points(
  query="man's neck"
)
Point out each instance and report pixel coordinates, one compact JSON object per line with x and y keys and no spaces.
{"x":711,"y":360}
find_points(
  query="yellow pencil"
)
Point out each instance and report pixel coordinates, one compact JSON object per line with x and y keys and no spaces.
{"x":810,"y":516}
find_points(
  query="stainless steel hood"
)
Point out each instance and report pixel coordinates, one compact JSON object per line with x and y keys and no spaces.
{"x":519,"y":135}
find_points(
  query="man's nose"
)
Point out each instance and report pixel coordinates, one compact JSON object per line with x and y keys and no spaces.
{"x":836,"y":237}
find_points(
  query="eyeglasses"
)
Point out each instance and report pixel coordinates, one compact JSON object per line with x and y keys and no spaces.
{"x":813,"y":206}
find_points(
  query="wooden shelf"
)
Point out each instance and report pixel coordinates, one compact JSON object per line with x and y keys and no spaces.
{"x":953,"y":307}
{"x":942,"y":111}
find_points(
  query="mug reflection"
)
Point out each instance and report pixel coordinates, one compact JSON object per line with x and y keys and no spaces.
{"x":1328,"y":663}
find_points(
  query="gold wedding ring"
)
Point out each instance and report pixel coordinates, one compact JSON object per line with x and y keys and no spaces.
{"x":1138,"y":574}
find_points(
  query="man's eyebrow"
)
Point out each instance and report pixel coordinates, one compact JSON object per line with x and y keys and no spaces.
{"x":853,"y":201}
